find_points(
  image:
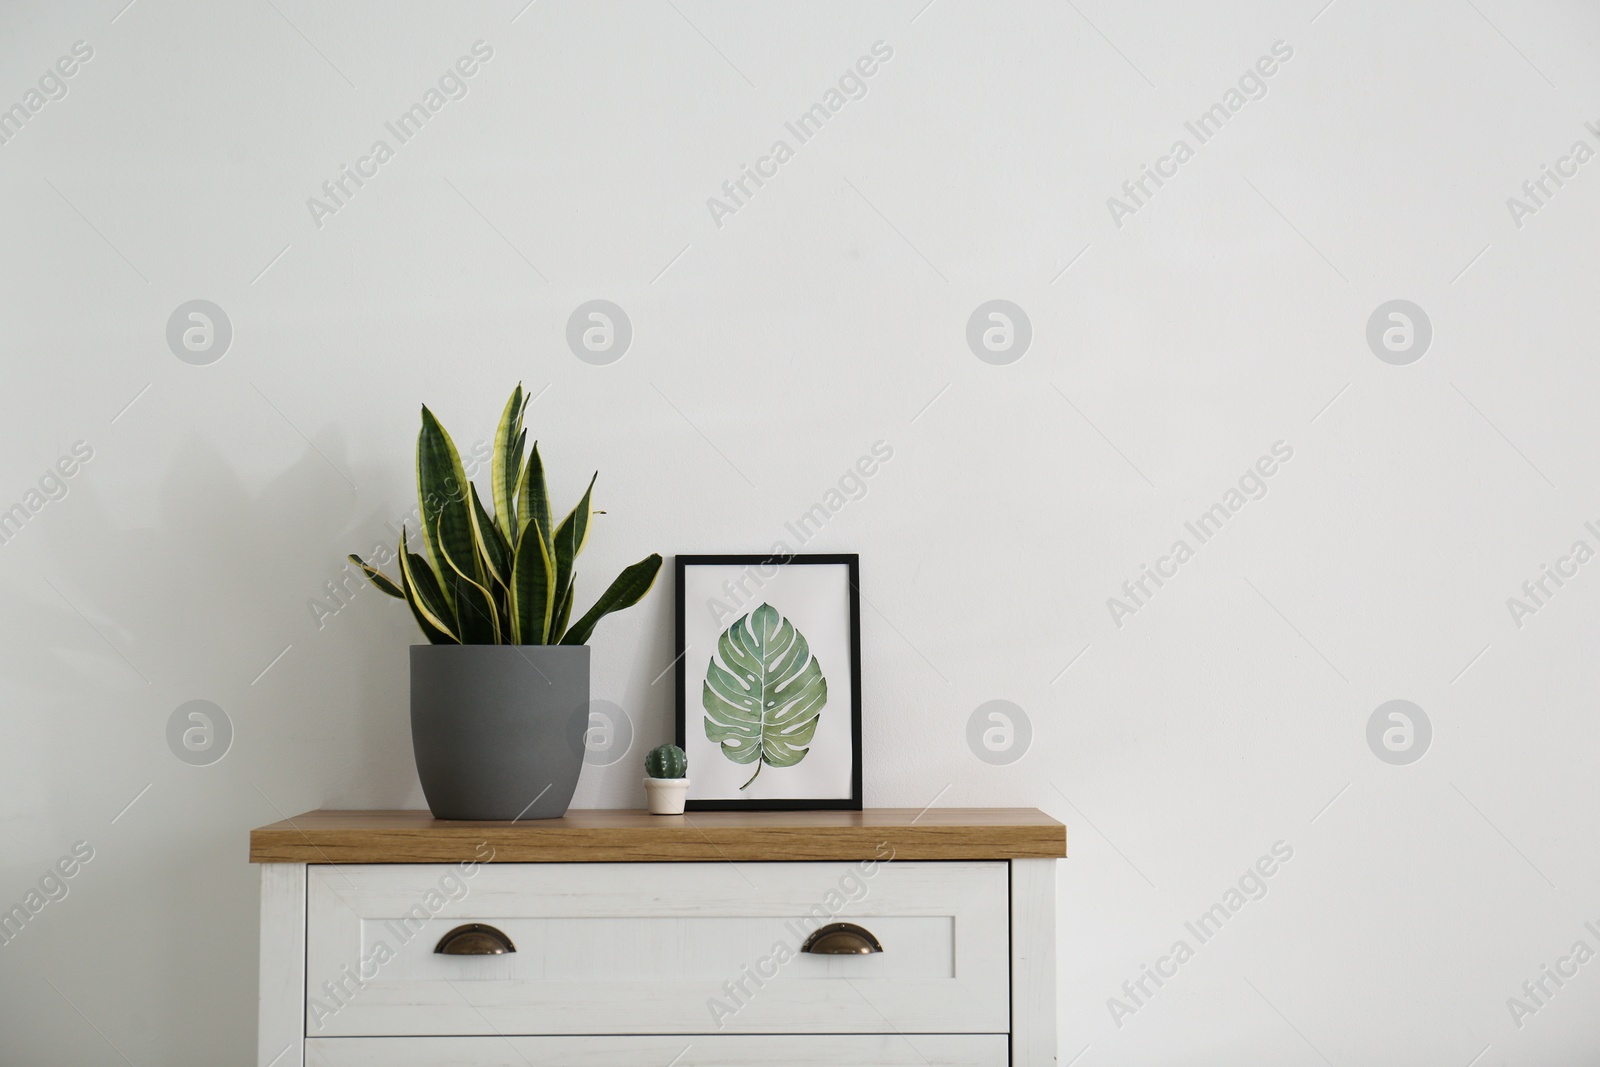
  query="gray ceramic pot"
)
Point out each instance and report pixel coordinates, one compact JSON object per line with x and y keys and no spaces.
{"x":498,"y":730}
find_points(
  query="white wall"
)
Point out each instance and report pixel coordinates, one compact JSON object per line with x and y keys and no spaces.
{"x":829,"y":312}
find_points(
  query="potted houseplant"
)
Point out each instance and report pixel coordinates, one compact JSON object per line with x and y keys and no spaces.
{"x":500,"y":694}
{"x":665,"y":784}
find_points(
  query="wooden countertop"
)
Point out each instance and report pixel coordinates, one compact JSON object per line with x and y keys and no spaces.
{"x":611,"y":836}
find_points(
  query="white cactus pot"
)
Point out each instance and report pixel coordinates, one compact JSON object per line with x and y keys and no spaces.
{"x":666,"y":795}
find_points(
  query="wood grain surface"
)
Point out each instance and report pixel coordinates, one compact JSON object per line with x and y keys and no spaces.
{"x":609,"y":836}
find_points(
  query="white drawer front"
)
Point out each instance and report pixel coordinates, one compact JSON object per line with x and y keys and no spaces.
{"x":667,"y":948}
{"x":720,"y":1050}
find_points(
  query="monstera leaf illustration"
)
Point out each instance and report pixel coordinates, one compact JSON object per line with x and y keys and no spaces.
{"x":762,"y":703}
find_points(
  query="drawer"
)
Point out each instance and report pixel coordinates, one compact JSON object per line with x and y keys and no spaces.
{"x":718,"y":1050}
{"x":662,"y":948}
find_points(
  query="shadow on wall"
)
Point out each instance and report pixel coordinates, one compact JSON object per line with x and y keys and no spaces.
{"x":209,"y":603}
{"x":212,"y":599}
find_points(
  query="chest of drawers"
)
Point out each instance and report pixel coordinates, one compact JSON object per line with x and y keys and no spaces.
{"x":618,"y":939}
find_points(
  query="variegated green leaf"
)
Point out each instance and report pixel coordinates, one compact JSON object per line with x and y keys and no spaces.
{"x":628,"y":589}
{"x":442,"y":500}
{"x":532,"y":589}
{"x":427,"y":600}
{"x":763,"y":702}
{"x":379,"y":580}
{"x":571,"y":535}
{"x":534,"y":499}
{"x":506,"y":464}
{"x":558,"y":625}
{"x":491,"y":542}
{"x":476,"y":618}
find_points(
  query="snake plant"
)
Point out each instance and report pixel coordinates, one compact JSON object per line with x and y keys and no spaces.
{"x":505,"y":578}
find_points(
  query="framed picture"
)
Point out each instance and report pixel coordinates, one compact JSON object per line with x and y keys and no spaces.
{"x":769,"y":681}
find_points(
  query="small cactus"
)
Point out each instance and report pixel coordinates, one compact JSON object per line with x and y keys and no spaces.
{"x":666,"y":761}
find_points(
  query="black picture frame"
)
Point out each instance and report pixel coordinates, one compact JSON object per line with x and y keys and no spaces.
{"x":852,"y":561}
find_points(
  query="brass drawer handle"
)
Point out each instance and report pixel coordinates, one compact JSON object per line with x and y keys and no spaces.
{"x":475,"y":939}
{"x":842,"y":939}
